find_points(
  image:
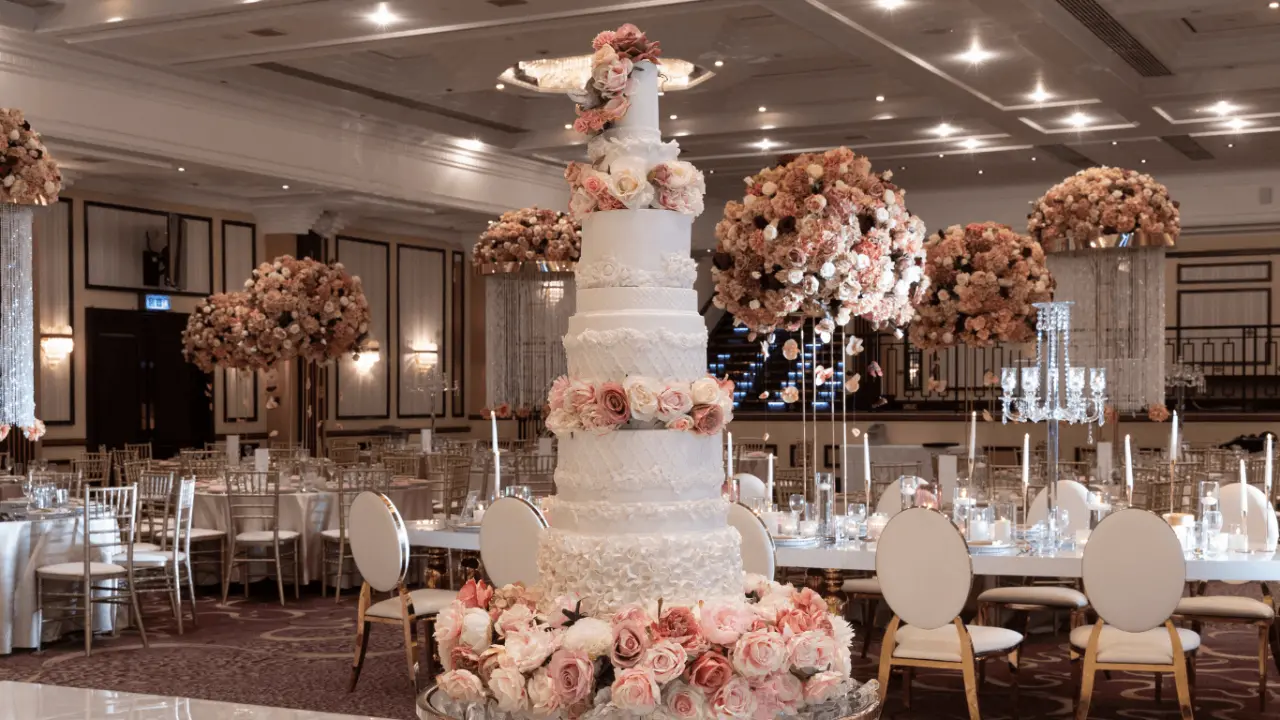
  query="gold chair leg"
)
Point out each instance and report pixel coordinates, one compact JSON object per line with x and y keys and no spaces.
{"x":411,"y":649}
{"x":971,"y":688}
{"x":279,"y":572}
{"x":887,"y":644}
{"x":88,"y":616}
{"x":362,"y":646}
{"x":1263,"y":632}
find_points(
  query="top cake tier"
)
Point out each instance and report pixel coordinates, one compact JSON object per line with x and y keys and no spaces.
{"x":642,"y":92}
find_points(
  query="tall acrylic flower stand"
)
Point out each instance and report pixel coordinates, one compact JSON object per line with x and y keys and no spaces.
{"x":17,"y":325}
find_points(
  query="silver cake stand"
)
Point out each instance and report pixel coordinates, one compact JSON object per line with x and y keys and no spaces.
{"x":861,"y":703}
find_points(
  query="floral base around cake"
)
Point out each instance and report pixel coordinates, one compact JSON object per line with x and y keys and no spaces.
{"x":513,"y":653}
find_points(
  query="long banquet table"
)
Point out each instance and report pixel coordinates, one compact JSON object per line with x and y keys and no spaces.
{"x":861,"y":556}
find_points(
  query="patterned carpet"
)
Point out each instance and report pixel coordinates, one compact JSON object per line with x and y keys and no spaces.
{"x":256,"y":652}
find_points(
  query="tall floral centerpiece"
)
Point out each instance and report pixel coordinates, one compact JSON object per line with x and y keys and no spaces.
{"x":984,"y":281}
{"x":527,"y":259}
{"x":1105,"y":231}
{"x":28,"y":177}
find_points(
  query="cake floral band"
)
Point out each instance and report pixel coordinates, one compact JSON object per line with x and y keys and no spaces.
{"x":772,"y":652}
{"x":701,"y":407}
{"x":678,"y":271}
{"x":606,"y":98}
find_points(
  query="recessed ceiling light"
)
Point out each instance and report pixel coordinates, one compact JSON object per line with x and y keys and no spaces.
{"x":1077,"y":119}
{"x":1039,"y":94}
{"x":879,"y":98}
{"x":500,"y":86}
{"x":248,"y":2}
{"x":1144,"y":161}
{"x":1033,"y":158}
{"x":884,"y":116}
{"x":941,"y":155}
{"x":892,"y":4}
{"x":1222,"y":107}
{"x":719,"y":63}
{"x":1274,"y":5}
{"x":979,"y":172}
{"x":117,"y":18}
{"x":944,"y":129}
{"x":1115,"y":142}
{"x":382,"y":16}
{"x":284,"y":187}
{"x":568,"y":126}
{"x":673,"y":116}
{"x":971,"y":143}
{"x":766,"y":127}
{"x":471,"y":143}
{"x":976,"y":54}
{"x":1231,"y":145}
{"x":761,"y":109}
{"x":765,"y":144}
{"x":661,"y":93}
{"x":182,"y":169}
{"x":902,"y":167}
{"x":1237,"y":123}
{"x":712,"y":171}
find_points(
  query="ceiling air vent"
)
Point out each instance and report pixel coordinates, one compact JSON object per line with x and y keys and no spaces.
{"x":1068,"y":155}
{"x":1112,"y":34}
{"x":1188,"y":146}
{"x":268,"y":32}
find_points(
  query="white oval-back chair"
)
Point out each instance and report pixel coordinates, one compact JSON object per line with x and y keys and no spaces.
{"x":749,"y":487}
{"x":509,"y":535}
{"x":380,"y":549}
{"x":1072,"y":497}
{"x":757,"y":544}
{"x":925,"y":575}
{"x":1134,"y":572}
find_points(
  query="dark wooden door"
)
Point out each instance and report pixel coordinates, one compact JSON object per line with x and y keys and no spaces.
{"x":139,"y":387}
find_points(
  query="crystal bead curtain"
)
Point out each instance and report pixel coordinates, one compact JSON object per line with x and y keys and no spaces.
{"x":1118,"y":318}
{"x":17,"y":327}
{"x":526,"y":317}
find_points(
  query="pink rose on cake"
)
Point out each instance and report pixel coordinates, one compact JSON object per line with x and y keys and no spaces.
{"x":680,"y":625}
{"x":635,"y":690}
{"x":630,"y":640}
{"x":665,"y":659}
{"x":542,"y":694}
{"x":824,"y":686}
{"x":672,"y":401}
{"x":707,"y":419}
{"x":612,"y":400}
{"x":759,"y":652}
{"x":572,"y":676}
{"x":627,"y":183}
{"x":724,"y":622}
{"x":528,"y":649}
{"x":684,"y":702}
{"x":508,"y":687}
{"x":735,"y":701}
{"x":683,"y":423}
{"x":710,"y":671}
{"x":705,"y":391}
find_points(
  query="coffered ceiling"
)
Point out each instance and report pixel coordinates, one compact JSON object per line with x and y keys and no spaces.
{"x":948,"y":93}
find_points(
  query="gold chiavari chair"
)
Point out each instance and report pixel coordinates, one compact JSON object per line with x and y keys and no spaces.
{"x":166,"y":506}
{"x":403,"y":465}
{"x":457,"y":474}
{"x":788,"y":482}
{"x":284,"y":445}
{"x":537,"y":472}
{"x":203,"y":467}
{"x":132,"y":471}
{"x":344,"y":452}
{"x":141,"y":451}
{"x":93,"y":468}
{"x":117,"y":460}
{"x":72,"y":482}
{"x":253,"y":509}
{"x":884,"y":474}
{"x":108,"y":525}
{"x":1147,"y":484}
{"x":336,"y":546}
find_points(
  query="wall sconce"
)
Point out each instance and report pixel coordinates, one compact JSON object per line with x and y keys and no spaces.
{"x":56,"y":348}
{"x":366,"y":357}
{"x":426,"y":358}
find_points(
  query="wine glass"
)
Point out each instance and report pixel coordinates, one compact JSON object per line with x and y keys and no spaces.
{"x":797,"y":503}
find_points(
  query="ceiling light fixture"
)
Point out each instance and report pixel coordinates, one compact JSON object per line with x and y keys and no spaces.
{"x":1039,"y":94}
{"x":1033,"y":158}
{"x":1237,"y":123}
{"x":1077,"y":119}
{"x":765,"y":144}
{"x":941,"y":155}
{"x":284,"y":187}
{"x":879,"y":98}
{"x":1231,"y":145}
{"x":471,"y":143}
{"x":1115,"y":142}
{"x":500,"y":86}
{"x":762,"y":109}
{"x":182,"y":169}
{"x":902,"y":167}
{"x":1144,"y":161}
{"x":976,"y":54}
{"x":673,"y":116}
{"x":766,"y":127}
{"x":712,"y":171}
{"x":718,"y":63}
{"x":979,"y":172}
{"x":1274,"y":5}
{"x":892,"y":4}
{"x":971,"y":143}
{"x":944,"y":129}
{"x":382,"y":16}
{"x":568,"y":126}
{"x":115,"y":19}
{"x":1222,"y":107}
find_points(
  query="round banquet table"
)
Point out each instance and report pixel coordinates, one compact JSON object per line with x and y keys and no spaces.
{"x":309,"y":513}
{"x":26,"y":545}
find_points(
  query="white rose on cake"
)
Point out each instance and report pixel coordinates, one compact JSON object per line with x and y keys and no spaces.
{"x":590,"y":635}
{"x":705,"y":391}
{"x":477,"y":631}
{"x":628,"y":183}
{"x":642,"y":396}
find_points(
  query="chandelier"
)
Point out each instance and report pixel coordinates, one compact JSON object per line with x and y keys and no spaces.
{"x":561,"y":75}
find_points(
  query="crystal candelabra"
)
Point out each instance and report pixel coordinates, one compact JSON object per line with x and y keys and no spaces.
{"x":1052,"y":391}
{"x":431,"y":381}
{"x":1184,"y":378}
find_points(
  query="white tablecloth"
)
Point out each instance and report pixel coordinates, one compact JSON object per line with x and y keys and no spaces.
{"x":26,"y":545}
{"x":309,"y":513}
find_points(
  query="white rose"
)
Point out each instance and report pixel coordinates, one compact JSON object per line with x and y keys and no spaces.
{"x":477,"y":631}
{"x":590,"y":635}
{"x":562,"y":421}
{"x":704,"y":391}
{"x":889,"y":198}
{"x":507,"y":686}
{"x":628,"y":182}
{"x":517,"y":618}
{"x":769,"y":188}
{"x":814,"y":170}
{"x":795,"y":276}
{"x":754,"y":304}
{"x":542,"y":696}
{"x":581,"y":203}
{"x":771,"y":231}
{"x":827,"y":269}
{"x":528,"y":649}
{"x":681,"y":174}
{"x":748,"y":200}
{"x":642,"y":398}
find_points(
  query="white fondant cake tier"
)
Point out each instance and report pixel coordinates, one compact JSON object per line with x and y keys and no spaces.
{"x":642,"y":94}
{"x":628,"y":299}
{"x":603,"y":355}
{"x":631,"y":466}
{"x":636,"y":248}
{"x":609,"y":571}
{"x":608,"y":517}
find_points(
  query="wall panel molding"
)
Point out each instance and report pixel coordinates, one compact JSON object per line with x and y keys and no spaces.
{"x":420,"y":283}
{"x":367,"y":396}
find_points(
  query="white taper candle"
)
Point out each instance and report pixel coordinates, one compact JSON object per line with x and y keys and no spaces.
{"x":1128,"y":462}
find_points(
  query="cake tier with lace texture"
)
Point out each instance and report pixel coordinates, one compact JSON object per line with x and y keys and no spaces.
{"x":636,"y":248}
{"x":632,"y":466}
{"x":606,"y":517}
{"x":659,"y":345}
{"x":609,"y":571}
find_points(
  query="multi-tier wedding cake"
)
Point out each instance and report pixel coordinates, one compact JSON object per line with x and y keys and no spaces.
{"x":642,"y":608}
{"x":638,"y":513}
